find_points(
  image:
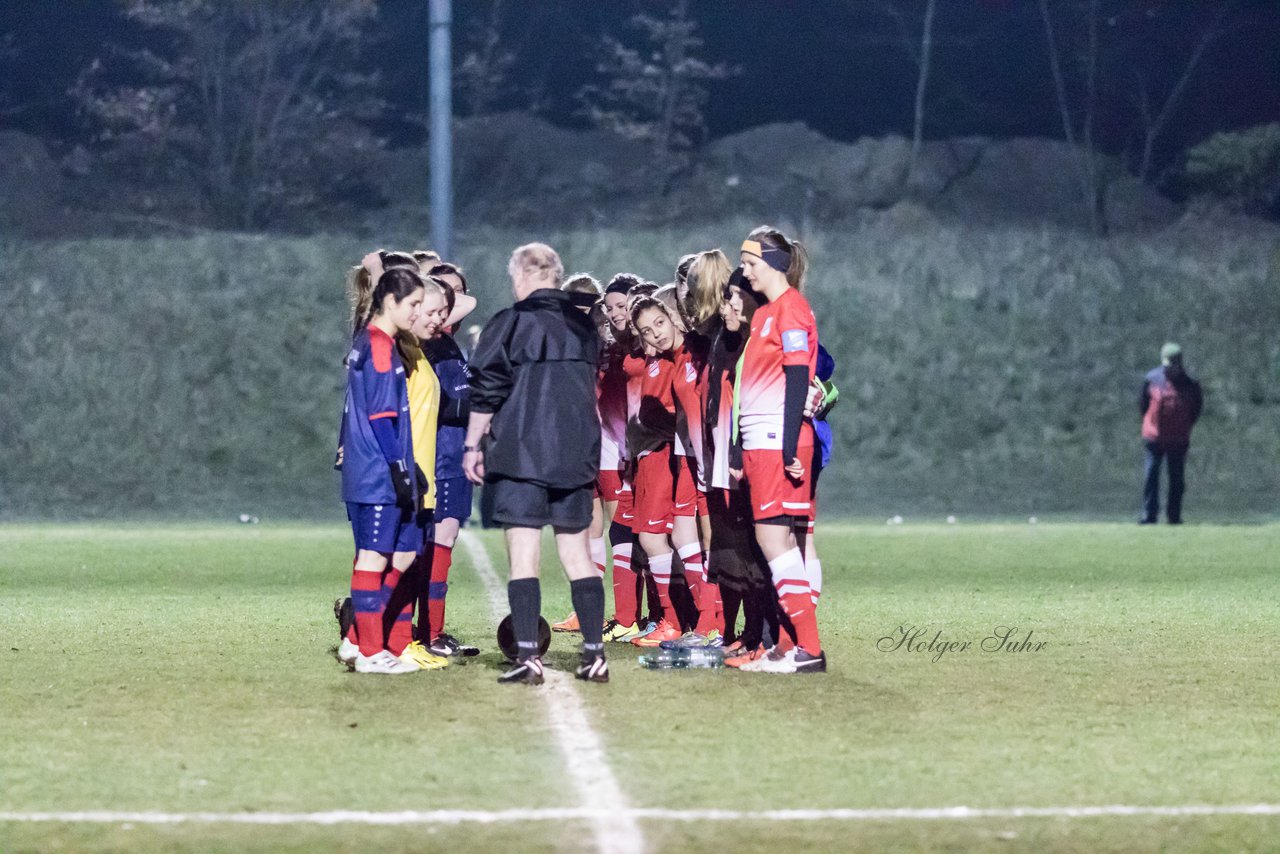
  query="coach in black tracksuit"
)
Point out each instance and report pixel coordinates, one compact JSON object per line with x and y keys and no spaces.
{"x":533,"y":404}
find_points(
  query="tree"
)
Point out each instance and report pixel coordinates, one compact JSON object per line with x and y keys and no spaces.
{"x":1156,"y":106}
{"x":260,"y":103}
{"x":1123,"y":67}
{"x":481,"y":74}
{"x":1085,"y":155}
{"x":9,"y":105}
{"x":917,"y":40}
{"x":1242,"y":168}
{"x":656,"y":92}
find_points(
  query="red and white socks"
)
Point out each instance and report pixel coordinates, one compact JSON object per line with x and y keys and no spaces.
{"x":791,"y":580}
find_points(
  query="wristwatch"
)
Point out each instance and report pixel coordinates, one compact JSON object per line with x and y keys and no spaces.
{"x":466,"y":449}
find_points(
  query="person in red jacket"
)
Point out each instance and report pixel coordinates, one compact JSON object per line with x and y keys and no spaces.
{"x":1170,"y":404}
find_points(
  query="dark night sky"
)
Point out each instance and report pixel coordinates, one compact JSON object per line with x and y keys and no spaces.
{"x":837,"y":65}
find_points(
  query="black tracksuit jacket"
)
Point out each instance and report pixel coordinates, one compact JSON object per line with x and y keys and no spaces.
{"x":534,"y":367}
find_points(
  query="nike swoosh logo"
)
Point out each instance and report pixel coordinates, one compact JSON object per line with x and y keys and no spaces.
{"x":657,"y":521}
{"x":686,"y":504}
{"x":767,"y":506}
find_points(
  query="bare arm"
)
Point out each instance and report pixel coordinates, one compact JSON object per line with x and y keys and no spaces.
{"x":472,"y":459}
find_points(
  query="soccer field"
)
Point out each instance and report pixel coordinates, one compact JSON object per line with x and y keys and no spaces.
{"x":174,"y":687}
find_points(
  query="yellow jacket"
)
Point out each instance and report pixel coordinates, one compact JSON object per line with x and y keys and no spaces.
{"x":424,"y":411}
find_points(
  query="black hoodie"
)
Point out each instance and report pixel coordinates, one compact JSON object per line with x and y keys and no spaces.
{"x":534,"y":367}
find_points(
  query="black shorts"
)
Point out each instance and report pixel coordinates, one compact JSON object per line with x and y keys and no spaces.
{"x":522,"y":504}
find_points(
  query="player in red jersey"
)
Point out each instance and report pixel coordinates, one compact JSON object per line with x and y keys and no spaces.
{"x":585,"y":292}
{"x":777,"y":368}
{"x":650,"y":440}
{"x":622,"y":368}
{"x":614,"y":495}
{"x":688,"y":350}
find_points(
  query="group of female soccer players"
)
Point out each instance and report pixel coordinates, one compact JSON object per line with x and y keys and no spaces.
{"x":400,"y":453}
{"x":711,"y":396}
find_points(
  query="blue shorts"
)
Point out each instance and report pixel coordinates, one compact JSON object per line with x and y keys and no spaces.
{"x":453,"y":498}
{"x":384,"y":528}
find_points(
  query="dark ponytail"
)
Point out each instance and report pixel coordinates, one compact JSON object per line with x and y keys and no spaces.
{"x":398,"y":282}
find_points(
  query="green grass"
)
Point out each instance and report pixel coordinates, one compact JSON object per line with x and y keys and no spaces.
{"x":982,"y":369}
{"x":189,"y":669}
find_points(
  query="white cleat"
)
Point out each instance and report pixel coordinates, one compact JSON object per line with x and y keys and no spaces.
{"x":383,"y":662}
{"x":777,"y":662}
{"x":755,"y":665}
{"x":348,"y":652}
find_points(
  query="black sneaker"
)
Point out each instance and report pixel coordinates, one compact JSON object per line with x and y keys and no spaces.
{"x":594,"y":670}
{"x":447,"y":644}
{"x":345,"y":614}
{"x":528,"y":671}
{"x":442,"y":645}
{"x":809,"y":663}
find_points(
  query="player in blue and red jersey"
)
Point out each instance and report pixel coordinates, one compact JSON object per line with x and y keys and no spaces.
{"x":453,"y":490}
{"x":378,"y":470}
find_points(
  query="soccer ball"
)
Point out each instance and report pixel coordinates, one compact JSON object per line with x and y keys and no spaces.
{"x":507,"y":637}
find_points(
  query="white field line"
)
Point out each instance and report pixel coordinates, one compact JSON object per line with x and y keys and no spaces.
{"x":616,"y":831}
{"x":625,"y":816}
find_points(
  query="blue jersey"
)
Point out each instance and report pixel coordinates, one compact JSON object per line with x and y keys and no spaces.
{"x":455,"y":404}
{"x":376,"y":389}
{"x":821,"y":429}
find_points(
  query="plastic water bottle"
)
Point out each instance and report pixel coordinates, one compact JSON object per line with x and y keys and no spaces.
{"x":663,"y":659}
{"x":704,"y":657}
{"x":697,"y":658}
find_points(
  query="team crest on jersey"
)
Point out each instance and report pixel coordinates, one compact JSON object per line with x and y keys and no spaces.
{"x":690,"y":375}
{"x":764,"y":330}
{"x":653,"y":369}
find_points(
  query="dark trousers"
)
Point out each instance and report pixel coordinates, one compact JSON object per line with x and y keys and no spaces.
{"x":1177,"y":457}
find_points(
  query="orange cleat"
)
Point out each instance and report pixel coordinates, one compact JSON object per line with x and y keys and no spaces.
{"x":568,"y":624}
{"x":744,"y":656}
{"x":664,"y":632}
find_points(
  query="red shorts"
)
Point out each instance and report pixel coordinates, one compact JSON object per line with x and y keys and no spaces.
{"x":654,"y":488}
{"x":773,"y":491}
{"x":702,"y":504}
{"x":625,"y":514}
{"x":609,"y":485}
{"x":686,"y":492}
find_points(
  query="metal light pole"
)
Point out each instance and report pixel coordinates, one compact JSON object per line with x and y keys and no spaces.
{"x":441,"y":129}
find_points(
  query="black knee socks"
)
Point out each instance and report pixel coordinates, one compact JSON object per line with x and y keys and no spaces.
{"x":588,"y":604}
{"x":525,"y":598}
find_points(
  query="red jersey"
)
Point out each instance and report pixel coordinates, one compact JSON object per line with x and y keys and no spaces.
{"x":611,"y":403}
{"x":783,"y":333}
{"x":633,"y":366}
{"x":687,"y":390}
{"x":656,"y":407}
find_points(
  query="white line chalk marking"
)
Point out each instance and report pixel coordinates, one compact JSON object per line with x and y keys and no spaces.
{"x":603,"y":804}
{"x":626,"y":816}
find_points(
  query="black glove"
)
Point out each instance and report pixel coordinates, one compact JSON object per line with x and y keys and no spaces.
{"x":424,"y":485}
{"x":402,"y":482}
